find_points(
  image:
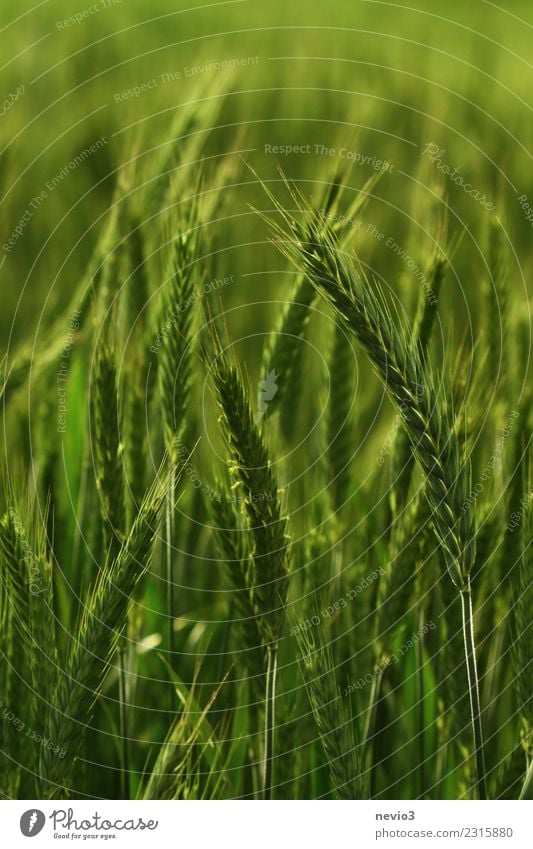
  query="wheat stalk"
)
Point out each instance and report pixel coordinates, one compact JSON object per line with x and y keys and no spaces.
{"x":332,"y":719}
{"x":96,"y":639}
{"x":175,"y":361}
{"x":282,"y":353}
{"x":109,"y":449}
{"x":522,"y":645}
{"x":172,"y":773}
{"x":427,"y":414}
{"x":112,"y":491}
{"x":402,"y":456}
{"x":136,"y":296}
{"x":257,"y":484}
{"x":232,"y":541}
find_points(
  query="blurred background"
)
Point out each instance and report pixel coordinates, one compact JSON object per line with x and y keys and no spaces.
{"x":387,"y":79}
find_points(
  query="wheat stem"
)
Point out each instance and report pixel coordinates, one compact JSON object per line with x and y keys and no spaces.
{"x":527,"y":787}
{"x":270,"y":714}
{"x":473,"y":689}
{"x":169,"y":546}
{"x":419,"y":682}
{"x":428,"y":417}
{"x":370,"y":724}
{"x":124,"y":725}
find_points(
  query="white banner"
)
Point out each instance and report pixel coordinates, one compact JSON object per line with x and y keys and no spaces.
{"x":267,"y":825}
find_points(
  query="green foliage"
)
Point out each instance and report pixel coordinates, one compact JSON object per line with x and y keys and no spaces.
{"x":259,"y":628}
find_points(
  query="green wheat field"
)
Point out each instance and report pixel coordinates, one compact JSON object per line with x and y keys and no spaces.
{"x":265,"y":341}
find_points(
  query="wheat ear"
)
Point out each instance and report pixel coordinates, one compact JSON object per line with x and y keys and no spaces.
{"x":183,"y":277}
{"x":282,"y":353}
{"x":95,"y":642}
{"x":332,"y":719}
{"x":256,"y":481}
{"x":427,"y":414}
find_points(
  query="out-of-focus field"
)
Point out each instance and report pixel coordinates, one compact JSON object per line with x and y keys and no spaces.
{"x":404,"y":78}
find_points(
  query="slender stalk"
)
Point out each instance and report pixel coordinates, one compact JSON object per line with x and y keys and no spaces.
{"x":528,"y":783}
{"x":337,"y":560}
{"x":442,"y":754}
{"x":428,"y":415}
{"x":420,"y":702}
{"x":95,"y":642}
{"x":370,"y":725}
{"x":80,"y":513}
{"x":267,"y":577}
{"x":170,"y":567}
{"x":473,"y":689}
{"x":124,"y":725}
{"x":270,"y":703}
